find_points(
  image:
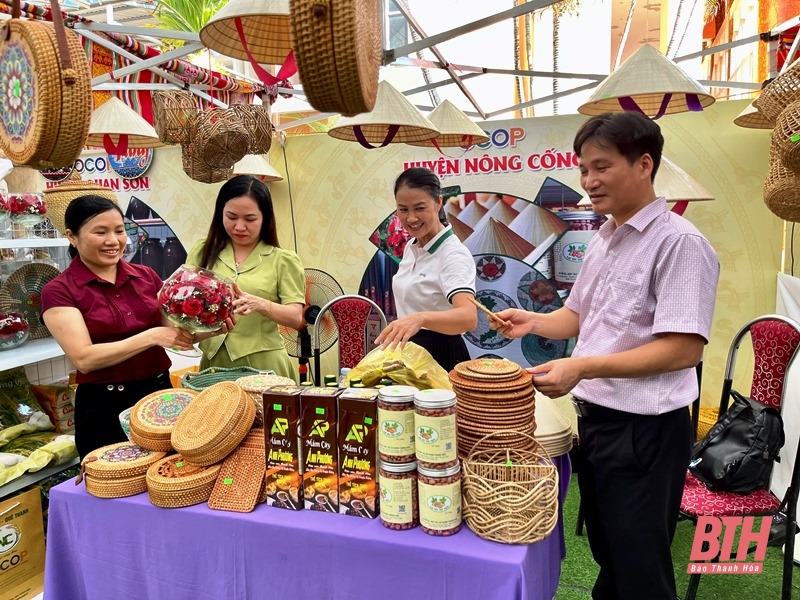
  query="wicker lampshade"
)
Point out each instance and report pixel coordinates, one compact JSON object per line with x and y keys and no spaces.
{"x":394,"y":120}
{"x":456,"y":129}
{"x":264,"y":23}
{"x":653,"y":83}
{"x":752,"y":118}
{"x":116,"y":119}
{"x":258,"y":165}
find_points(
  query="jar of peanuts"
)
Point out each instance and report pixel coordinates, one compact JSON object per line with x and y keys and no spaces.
{"x":398,"y":495}
{"x":435,"y":428}
{"x":396,"y":423}
{"x":440,"y":500}
{"x":569,"y":250}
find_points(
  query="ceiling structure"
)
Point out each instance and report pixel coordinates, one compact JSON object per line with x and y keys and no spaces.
{"x":633,"y":23}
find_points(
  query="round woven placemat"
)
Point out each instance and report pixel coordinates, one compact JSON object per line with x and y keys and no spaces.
{"x":118,"y":461}
{"x":491,"y":367}
{"x":520,"y":382}
{"x":22,"y":292}
{"x":214,"y":423}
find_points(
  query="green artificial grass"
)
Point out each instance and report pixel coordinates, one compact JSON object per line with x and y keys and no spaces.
{"x":578,"y":571}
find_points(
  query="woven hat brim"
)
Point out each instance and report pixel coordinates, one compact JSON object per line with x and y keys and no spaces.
{"x":116,"y":118}
{"x":391,"y":108}
{"x":457,"y":130}
{"x":752,"y":118}
{"x":646,"y":77}
{"x":674,"y":184}
{"x":268,"y":36}
{"x":257,"y":164}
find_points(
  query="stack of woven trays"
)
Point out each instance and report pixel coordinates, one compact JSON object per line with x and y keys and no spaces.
{"x":213,"y":424}
{"x":153,"y":417}
{"x":117,"y":470}
{"x":172,"y":482}
{"x":256,"y":385}
{"x":493,"y":395}
{"x":553,"y":429}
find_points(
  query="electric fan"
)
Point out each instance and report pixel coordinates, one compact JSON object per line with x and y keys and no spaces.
{"x":321,"y":288}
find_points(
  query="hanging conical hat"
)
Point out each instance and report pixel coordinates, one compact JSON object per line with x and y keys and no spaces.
{"x":502,"y":212}
{"x":495,"y":238}
{"x":752,"y":118}
{"x":472,"y":214}
{"x":675,"y":184}
{"x":457,"y":130}
{"x":461,"y":229}
{"x":650,"y":81}
{"x":258,"y":165}
{"x":536,"y":224}
{"x":392,"y":113}
{"x":265,"y":25}
{"x":116,"y":120}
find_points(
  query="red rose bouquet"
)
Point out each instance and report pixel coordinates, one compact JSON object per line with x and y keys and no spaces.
{"x":14,"y":330}
{"x":27,"y":209}
{"x":5,"y":211}
{"x":196,"y":300}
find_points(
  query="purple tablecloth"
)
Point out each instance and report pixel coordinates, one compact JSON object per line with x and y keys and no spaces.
{"x":129,"y":549}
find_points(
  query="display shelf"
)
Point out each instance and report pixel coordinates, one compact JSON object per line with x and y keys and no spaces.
{"x":24,"y":481}
{"x":31,"y":351}
{"x":34,"y":243}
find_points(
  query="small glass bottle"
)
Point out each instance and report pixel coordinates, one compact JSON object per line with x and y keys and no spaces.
{"x":440,"y":499}
{"x":399,"y":506}
{"x":343,"y":377}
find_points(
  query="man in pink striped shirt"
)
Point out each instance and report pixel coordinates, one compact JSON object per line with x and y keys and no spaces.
{"x":642,"y":308}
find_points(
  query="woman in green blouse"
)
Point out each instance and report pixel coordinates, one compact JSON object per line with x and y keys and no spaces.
{"x":242,"y":245}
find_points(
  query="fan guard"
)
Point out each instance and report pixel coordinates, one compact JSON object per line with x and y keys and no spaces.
{"x":321,"y":288}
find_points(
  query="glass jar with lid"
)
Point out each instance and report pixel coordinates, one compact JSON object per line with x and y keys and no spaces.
{"x":399,"y":508}
{"x":396,"y":423}
{"x":440,"y":499}
{"x":569,"y":250}
{"x":435,"y":428}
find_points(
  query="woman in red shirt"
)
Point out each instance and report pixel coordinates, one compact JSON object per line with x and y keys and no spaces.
{"x":104,"y":313}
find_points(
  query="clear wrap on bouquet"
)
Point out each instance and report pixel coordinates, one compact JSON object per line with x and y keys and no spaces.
{"x":196,"y":299}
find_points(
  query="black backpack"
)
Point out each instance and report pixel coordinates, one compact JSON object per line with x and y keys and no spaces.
{"x":738,"y":453}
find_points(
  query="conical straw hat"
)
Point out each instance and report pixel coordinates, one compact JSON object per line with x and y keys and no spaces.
{"x":258,"y":165}
{"x":650,"y":81}
{"x":472,"y":214}
{"x":675,"y":184}
{"x":502,"y":212}
{"x":493,"y":237}
{"x":116,"y":119}
{"x":266,"y":28}
{"x":457,"y":130}
{"x":752,"y":118}
{"x":392,"y":112}
{"x":461,"y":229}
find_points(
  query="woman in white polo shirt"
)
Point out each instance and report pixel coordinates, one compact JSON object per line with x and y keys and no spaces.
{"x":436,"y":276}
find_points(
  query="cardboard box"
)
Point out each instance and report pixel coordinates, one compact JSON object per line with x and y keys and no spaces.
{"x":284,"y":448}
{"x":358,"y":452}
{"x":22,"y":546}
{"x":320,"y":456}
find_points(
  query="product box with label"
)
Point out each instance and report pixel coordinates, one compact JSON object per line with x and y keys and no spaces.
{"x":284,"y":448}
{"x":358,"y":452}
{"x":318,"y":427}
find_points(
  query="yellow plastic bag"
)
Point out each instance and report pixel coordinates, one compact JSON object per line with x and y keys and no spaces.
{"x":413,"y":365}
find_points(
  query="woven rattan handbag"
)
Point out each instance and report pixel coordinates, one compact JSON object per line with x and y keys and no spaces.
{"x":779,"y":93}
{"x":510,"y":496}
{"x":337,"y":46}
{"x":58,"y":197}
{"x":117,"y":470}
{"x":173,"y":482}
{"x":786,"y":137}
{"x":174,"y":111}
{"x":46,"y":98}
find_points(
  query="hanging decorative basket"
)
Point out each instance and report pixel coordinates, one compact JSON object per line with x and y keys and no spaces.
{"x":174,"y":111}
{"x":46,"y":98}
{"x":337,"y":47}
{"x":196,"y":168}
{"x":58,"y":197}
{"x":510,"y":495}
{"x":782,"y":189}
{"x":786,"y":137}
{"x":779,"y":93}
{"x":255,"y":119}
{"x":219,"y":137}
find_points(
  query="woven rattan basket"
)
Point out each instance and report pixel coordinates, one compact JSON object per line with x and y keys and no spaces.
{"x":58,"y":197}
{"x":196,"y":168}
{"x":510,"y":496}
{"x":200,"y":380}
{"x":153,"y":417}
{"x":213,"y":424}
{"x":255,"y":385}
{"x":174,"y":111}
{"x":779,"y":93}
{"x":241,"y":478}
{"x":786,"y":137}
{"x":337,"y":46}
{"x":173,"y":482}
{"x":47,"y":123}
{"x":782,"y":189}
{"x":255,"y":119}
{"x":219,"y":137}
{"x":117,"y":470}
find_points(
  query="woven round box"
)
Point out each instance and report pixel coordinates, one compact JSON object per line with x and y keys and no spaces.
{"x":58,"y":197}
{"x":173,"y":482}
{"x":219,"y":137}
{"x":256,"y":385}
{"x":174,"y":111}
{"x":153,"y":417}
{"x":118,"y":470}
{"x":44,"y":117}
{"x":510,"y":495}
{"x":337,"y":47}
{"x":213,"y":424}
